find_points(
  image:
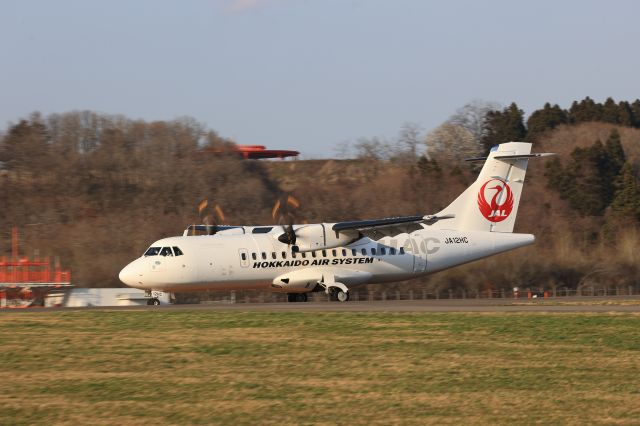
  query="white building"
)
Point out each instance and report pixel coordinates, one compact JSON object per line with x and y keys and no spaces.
{"x":83,"y":297}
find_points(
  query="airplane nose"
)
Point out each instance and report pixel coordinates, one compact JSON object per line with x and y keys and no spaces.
{"x":129,"y":276}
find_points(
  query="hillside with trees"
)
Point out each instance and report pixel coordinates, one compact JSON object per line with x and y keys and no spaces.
{"x":94,"y":190}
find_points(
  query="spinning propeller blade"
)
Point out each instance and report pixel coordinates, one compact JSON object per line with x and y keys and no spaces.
{"x":209,"y":220}
{"x":283,"y":210}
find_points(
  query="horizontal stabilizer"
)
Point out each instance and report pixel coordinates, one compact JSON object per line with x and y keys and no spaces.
{"x":513,"y":157}
{"x":430,"y":219}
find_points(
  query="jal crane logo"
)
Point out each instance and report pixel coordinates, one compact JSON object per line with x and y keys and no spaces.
{"x":501,"y":204}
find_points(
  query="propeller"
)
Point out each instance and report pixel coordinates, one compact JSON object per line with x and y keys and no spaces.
{"x":283,"y":213}
{"x":210,"y":220}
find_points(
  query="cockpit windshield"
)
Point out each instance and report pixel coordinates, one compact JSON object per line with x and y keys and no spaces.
{"x":152,"y":251}
{"x":163,"y":251}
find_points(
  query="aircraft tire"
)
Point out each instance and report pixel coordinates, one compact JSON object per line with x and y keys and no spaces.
{"x":342,"y":296}
{"x":297,"y":297}
{"x":155,"y":302}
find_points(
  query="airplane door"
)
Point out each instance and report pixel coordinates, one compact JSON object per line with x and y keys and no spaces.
{"x":419,"y":262}
{"x":419,"y":255}
{"x":243,"y":255}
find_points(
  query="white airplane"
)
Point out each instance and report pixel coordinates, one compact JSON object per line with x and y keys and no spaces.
{"x":332,"y":257}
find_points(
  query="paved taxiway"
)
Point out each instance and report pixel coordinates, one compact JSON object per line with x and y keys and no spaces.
{"x":564,"y":304}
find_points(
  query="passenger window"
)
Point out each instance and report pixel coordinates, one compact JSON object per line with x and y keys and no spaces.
{"x":401,"y":250}
{"x":364,"y":251}
{"x":324,"y":253}
{"x":177,"y":251}
{"x":344,"y":252}
{"x":392,"y":251}
{"x":304,"y":255}
{"x":334,"y":252}
{"x":313,"y":254}
{"x":253,"y":256}
{"x":273,"y":255}
{"x":293,"y":254}
{"x":264,"y":256}
{"x":263,"y":230}
{"x":152,"y":251}
{"x":383,"y":251}
{"x":166,"y":251}
{"x":373,"y":251}
{"x":354,"y":252}
{"x":243,"y":256}
{"x":284,"y":254}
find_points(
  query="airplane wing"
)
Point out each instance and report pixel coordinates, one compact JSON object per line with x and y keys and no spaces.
{"x":388,"y":227}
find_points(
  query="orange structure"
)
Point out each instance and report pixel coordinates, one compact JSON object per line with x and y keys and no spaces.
{"x":38,"y":271}
{"x":260,"y":151}
{"x":253,"y":152}
{"x":23,"y":281}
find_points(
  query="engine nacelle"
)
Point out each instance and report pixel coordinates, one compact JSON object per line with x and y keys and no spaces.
{"x":320,"y":236}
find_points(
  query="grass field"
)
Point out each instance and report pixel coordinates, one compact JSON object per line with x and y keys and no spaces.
{"x":207,"y":367}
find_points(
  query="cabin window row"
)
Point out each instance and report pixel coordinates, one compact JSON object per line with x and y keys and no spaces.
{"x":383,"y":251}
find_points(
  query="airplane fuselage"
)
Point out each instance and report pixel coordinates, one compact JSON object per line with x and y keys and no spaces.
{"x":241,"y":259}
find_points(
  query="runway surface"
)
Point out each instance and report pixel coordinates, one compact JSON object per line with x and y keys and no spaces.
{"x":621,"y":304}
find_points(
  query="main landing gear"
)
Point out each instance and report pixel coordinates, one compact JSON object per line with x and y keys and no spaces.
{"x":153,"y":302}
{"x":337,"y":294}
{"x":336,"y":290}
{"x":297,"y":297}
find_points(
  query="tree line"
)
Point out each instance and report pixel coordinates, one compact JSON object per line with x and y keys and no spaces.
{"x":94,"y":190}
{"x":508,"y":124}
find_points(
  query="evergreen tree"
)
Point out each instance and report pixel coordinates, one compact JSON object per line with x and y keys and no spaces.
{"x":585,"y":110}
{"x":504,"y":126}
{"x":545,"y":119}
{"x":574,"y":112}
{"x":587,"y":191}
{"x":427,"y":166}
{"x":635,"y":112}
{"x":610,"y":112}
{"x":625,"y":114}
{"x":615,"y":157}
{"x":626,"y":202}
{"x":589,"y":182}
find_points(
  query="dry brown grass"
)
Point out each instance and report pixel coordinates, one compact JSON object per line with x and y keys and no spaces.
{"x":245,"y":368}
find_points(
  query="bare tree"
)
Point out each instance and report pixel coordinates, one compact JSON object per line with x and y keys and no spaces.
{"x":343,"y":150}
{"x":372,"y":148}
{"x":472,"y":115}
{"x":409,"y":139}
{"x":451,"y":143}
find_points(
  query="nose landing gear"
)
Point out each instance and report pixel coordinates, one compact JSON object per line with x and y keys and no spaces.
{"x":153,"y":297}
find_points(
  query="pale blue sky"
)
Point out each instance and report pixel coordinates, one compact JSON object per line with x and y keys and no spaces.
{"x":310,"y":74}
